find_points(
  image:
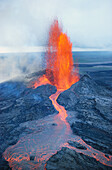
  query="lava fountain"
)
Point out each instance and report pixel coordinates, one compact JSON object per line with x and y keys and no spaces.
{"x":42,"y":145}
{"x":59,"y":64}
{"x":59,"y":70}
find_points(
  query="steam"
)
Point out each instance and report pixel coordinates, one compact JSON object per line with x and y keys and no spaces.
{"x":16,"y":65}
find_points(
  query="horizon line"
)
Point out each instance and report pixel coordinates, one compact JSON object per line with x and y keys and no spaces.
{"x":29,"y":49}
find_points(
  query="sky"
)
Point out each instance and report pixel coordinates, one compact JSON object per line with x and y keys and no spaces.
{"x":25,"y":23}
{"x":24,"y":27}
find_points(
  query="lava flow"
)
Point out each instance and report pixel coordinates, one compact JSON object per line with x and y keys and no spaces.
{"x":56,"y":131}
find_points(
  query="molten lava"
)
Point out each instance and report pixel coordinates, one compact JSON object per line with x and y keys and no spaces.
{"x":42,"y":145}
{"x":59,"y":60}
{"x":64,"y":76}
{"x":41,"y":81}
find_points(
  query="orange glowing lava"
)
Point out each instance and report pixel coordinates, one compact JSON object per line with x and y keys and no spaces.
{"x":59,"y":60}
{"x":41,"y":81}
{"x":59,"y":108}
{"x":64,"y":76}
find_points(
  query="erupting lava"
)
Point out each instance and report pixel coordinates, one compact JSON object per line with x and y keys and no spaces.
{"x":42,"y":145}
{"x":59,"y":71}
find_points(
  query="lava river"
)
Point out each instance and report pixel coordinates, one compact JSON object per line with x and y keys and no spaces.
{"x":54,"y":134}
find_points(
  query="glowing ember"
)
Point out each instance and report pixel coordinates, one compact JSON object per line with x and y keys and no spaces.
{"x":59,"y":60}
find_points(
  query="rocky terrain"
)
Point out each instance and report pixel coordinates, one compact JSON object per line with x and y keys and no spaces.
{"x":20,"y":104}
{"x":89,"y":107}
{"x":68,"y":159}
{"x":89,"y":111}
{"x":92,"y":105}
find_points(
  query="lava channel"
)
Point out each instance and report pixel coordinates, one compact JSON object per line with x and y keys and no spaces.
{"x":42,"y":145}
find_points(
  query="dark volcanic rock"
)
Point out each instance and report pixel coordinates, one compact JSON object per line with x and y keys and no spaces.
{"x":27,"y":104}
{"x":19,"y":104}
{"x":68,"y":159}
{"x":103,"y":77}
{"x":4,"y":165}
{"x":76,"y":145}
{"x":92,"y":105}
{"x":10,"y":90}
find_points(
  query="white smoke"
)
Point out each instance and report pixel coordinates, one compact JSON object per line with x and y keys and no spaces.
{"x":16,"y":65}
